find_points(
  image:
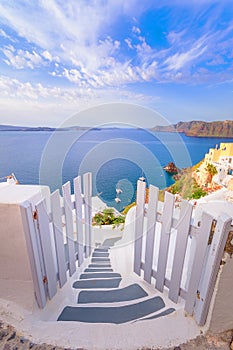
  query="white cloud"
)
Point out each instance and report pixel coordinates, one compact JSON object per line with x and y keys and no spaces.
{"x":175,"y":37}
{"x":15,"y":89}
{"x":22,"y":59}
{"x":47,"y":55}
{"x":72,"y":39}
{"x":116,"y":75}
{"x":180,"y":60}
{"x":77,"y":24}
{"x":128,"y":41}
{"x":33,"y":103}
{"x":4,"y":35}
{"x":136,"y":30}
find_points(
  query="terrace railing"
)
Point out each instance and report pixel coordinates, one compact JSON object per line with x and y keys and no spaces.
{"x":169,"y":249}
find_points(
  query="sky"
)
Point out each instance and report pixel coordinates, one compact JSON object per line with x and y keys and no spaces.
{"x":57,"y":58}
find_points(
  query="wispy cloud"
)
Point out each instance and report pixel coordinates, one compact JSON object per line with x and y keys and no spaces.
{"x":79,"y":51}
{"x":21,"y":59}
{"x":13,"y":88}
{"x":76,"y":34}
{"x":180,"y":60}
{"x":4,"y":35}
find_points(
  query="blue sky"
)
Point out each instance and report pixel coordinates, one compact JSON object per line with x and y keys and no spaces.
{"x":60,"y":57}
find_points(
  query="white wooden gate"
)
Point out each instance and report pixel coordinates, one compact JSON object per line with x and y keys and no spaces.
{"x":196,"y":250}
{"x":58,"y":240}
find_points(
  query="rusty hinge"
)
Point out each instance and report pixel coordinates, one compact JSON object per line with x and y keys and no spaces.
{"x":45,"y":279}
{"x":35,"y":215}
{"x":198,"y":295}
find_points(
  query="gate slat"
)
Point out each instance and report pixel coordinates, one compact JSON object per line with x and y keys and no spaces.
{"x":69,"y":227}
{"x":199,"y":256}
{"x":58,"y":237}
{"x":79,"y":225}
{"x":206,"y":289}
{"x":150,"y":235}
{"x":164,"y":240}
{"x":139,"y":220}
{"x":45,"y":238}
{"x":180,"y":249}
{"x":31,"y":241}
{"x":87,"y":179}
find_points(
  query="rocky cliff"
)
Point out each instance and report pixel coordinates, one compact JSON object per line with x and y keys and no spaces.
{"x":200,"y":128}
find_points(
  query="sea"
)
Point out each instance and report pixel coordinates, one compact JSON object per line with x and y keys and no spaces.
{"x":116,"y":157}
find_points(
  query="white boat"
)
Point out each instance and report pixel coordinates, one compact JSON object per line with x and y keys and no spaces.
{"x":118,"y":190}
{"x":117,"y":200}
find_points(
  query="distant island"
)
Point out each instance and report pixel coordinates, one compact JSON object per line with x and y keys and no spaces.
{"x":42,"y":128}
{"x":200,"y":128}
{"x":47,"y":128}
{"x":222,"y":129}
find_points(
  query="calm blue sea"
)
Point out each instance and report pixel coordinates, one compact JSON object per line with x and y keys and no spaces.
{"x":116,"y":158}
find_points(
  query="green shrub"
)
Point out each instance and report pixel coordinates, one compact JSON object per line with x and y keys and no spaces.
{"x":107,"y":217}
{"x":198,"y":193}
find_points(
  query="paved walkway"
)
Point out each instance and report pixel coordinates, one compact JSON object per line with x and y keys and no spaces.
{"x":12,"y":340}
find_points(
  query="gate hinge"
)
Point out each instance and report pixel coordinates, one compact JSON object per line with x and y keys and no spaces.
{"x":45,"y":279}
{"x":35,"y":215}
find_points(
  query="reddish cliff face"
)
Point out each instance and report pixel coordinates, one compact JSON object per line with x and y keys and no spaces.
{"x":200,"y":128}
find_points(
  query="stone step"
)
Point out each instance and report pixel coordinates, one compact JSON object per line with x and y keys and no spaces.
{"x":131,"y":292}
{"x":100,"y":260}
{"x":112,"y":314}
{"x":99,"y":283}
{"x":101,"y":250}
{"x":160,"y":314}
{"x":98,"y":270}
{"x":98,"y":275}
{"x":100,"y":255}
{"x":99,"y":265}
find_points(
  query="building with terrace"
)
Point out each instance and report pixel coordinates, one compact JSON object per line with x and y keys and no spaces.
{"x":222,"y":159}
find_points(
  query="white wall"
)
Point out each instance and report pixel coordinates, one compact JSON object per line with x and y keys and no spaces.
{"x":16,"y":283}
{"x":100,"y":234}
{"x":221,"y":318}
{"x":15,"y":273}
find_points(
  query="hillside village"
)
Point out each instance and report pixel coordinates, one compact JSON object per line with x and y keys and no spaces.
{"x":211,"y":179}
{"x":215,"y":173}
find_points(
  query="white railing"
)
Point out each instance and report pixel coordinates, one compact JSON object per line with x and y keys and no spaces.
{"x":196,"y":251}
{"x":168,"y":247}
{"x":58,"y":241}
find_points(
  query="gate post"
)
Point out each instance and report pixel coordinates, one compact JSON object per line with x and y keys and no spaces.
{"x":33,"y":253}
{"x":139,"y":222}
{"x":87,"y":183}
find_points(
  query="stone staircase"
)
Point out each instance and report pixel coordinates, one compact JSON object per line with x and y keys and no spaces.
{"x":101,"y":299}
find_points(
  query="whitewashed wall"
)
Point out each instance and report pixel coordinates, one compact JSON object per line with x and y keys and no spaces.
{"x":221,"y":317}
